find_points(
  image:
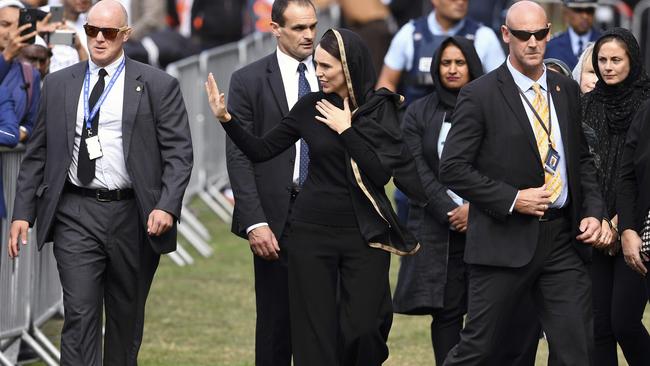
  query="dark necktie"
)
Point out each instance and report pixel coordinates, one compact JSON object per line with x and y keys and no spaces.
{"x":85,"y":166}
{"x":580,"y":47}
{"x":303,"y":89}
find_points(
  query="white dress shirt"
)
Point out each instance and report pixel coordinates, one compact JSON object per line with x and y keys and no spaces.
{"x":290,"y":77}
{"x":525,"y":84}
{"x":110,"y":169}
{"x":575,"y":41}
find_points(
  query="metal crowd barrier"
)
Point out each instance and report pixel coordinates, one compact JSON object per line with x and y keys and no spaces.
{"x":30,"y":292}
{"x":210,"y":177}
{"x":641,"y":29}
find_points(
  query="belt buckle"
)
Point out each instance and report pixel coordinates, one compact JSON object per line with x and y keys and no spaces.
{"x":99,"y":195}
{"x":542,"y":219}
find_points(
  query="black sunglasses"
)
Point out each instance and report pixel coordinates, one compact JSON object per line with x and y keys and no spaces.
{"x":525,"y":35}
{"x":108,"y":33}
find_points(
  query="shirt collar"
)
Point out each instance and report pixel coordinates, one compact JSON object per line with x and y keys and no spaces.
{"x":436,"y":29}
{"x":289,"y":64}
{"x":524,"y":82}
{"x":575,"y":37}
{"x":110,"y":69}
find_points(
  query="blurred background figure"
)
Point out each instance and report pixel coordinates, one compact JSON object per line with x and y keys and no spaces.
{"x":209,"y":23}
{"x":584,"y":72}
{"x":38,"y":55}
{"x":372,"y":21}
{"x":619,"y":295}
{"x":558,"y":66}
{"x":569,"y":45}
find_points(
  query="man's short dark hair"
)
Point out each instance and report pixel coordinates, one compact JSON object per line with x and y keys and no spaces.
{"x":279,"y":6}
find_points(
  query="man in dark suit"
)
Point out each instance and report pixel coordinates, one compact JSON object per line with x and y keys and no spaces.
{"x":260,"y":95}
{"x":104,"y":174}
{"x":569,"y":45}
{"x":517,"y":153}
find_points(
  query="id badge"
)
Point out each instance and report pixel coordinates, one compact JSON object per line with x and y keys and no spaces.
{"x":552,"y":161}
{"x":94,"y":148}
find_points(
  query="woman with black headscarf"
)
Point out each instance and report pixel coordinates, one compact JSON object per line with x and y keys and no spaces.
{"x":619,"y":296}
{"x":342,"y":225}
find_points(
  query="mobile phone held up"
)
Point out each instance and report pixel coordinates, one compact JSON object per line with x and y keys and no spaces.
{"x":28,"y":16}
{"x":57,"y":14}
{"x":62,"y":37}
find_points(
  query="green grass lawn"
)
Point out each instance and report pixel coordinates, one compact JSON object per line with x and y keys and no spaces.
{"x":204,"y":314}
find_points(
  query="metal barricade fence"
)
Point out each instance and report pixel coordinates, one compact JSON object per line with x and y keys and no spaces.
{"x":30,"y":292}
{"x":641,"y":29}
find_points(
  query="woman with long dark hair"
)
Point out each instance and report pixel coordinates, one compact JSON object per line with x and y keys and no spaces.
{"x":342,"y":226}
{"x":619,"y":296}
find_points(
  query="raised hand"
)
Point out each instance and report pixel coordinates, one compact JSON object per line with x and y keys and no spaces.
{"x":337,"y":119}
{"x":216,"y":99}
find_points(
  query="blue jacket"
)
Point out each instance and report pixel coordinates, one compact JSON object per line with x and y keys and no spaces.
{"x":11,"y":77}
{"x":8,"y":133}
{"x":560,"y":47}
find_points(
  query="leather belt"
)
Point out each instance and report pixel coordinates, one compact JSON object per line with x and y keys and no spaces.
{"x":101,"y":195}
{"x":553,"y":214}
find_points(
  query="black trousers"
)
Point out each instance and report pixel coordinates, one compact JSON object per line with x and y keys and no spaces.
{"x":355,"y":331}
{"x":620,"y":297}
{"x":447,"y":322}
{"x":272,"y":327}
{"x":561,"y":291}
{"x":105,"y":264}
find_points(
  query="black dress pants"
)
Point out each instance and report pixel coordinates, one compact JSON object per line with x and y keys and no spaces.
{"x":620,"y":297}
{"x":320,"y":257}
{"x":520,"y":343}
{"x":105,"y":263}
{"x":561,"y":291}
{"x":272,"y":327}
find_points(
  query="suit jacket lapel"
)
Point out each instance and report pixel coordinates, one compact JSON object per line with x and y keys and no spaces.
{"x":71,"y":101}
{"x":274,"y":79}
{"x":133,"y":90}
{"x":511,"y":95}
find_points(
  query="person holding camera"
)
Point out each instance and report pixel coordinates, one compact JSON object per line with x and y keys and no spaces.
{"x":20,"y":79}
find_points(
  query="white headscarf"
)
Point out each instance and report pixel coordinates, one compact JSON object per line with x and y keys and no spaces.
{"x":577,"y":71}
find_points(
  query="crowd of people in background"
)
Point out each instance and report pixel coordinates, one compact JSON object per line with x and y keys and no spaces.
{"x":490,"y":231}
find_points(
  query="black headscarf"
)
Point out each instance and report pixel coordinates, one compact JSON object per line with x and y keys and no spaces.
{"x":375,"y":118}
{"x":608,"y":111}
{"x":621,"y":100}
{"x":447,"y":97}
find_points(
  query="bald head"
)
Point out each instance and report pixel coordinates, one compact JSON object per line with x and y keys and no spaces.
{"x":108,"y":20}
{"x":526,"y":32}
{"x":524,"y":12}
{"x":110,"y":8}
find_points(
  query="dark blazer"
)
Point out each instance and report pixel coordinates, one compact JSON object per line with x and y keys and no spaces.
{"x":491,"y":153}
{"x":633,"y":198}
{"x":560,"y":48}
{"x":262,"y":190}
{"x":422,"y":277}
{"x":156,"y":139}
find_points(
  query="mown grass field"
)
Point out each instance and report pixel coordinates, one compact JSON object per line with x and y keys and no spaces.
{"x":205,"y":314}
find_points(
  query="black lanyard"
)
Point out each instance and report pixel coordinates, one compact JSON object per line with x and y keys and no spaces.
{"x":548,"y":129}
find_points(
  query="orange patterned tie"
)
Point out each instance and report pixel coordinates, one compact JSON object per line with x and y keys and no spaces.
{"x":553,"y":181}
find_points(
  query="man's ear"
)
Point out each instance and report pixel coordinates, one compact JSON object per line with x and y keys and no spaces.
{"x":275,"y":29}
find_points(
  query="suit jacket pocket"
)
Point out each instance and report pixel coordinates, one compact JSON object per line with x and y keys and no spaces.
{"x":41,"y":189}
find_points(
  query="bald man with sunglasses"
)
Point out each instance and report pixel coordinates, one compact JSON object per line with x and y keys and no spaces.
{"x":517,"y":152}
{"x":104,"y":174}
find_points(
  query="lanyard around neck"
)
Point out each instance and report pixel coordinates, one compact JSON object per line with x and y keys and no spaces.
{"x":89,"y":115}
{"x":547,"y":130}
